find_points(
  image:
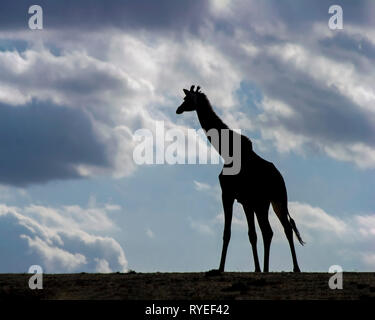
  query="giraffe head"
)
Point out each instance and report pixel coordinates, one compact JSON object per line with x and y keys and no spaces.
{"x":190,"y":100}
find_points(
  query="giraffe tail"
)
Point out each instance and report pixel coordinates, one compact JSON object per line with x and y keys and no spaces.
{"x":294,"y":227}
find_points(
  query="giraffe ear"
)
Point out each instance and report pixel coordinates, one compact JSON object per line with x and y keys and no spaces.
{"x":187,"y":92}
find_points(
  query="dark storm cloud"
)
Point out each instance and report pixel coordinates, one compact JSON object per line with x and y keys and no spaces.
{"x":298,"y":15}
{"x":319,"y":111}
{"x":354,"y":11}
{"x":96,"y":14}
{"x":322,"y":112}
{"x":354,"y":48}
{"x":39,"y":143}
{"x":272,"y":21}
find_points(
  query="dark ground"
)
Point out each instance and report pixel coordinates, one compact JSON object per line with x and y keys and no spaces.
{"x":188,"y":286}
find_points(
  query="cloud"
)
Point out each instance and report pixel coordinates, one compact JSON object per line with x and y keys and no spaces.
{"x":61,"y":125}
{"x":93,"y":15}
{"x":366,"y":225}
{"x":201,"y":227}
{"x":200,"y":186}
{"x":59,"y":240}
{"x":73,"y":78}
{"x":124,"y":87}
{"x":314,"y":218}
{"x":102,"y":266}
{"x":313,"y":86}
{"x":330,"y":109}
{"x":316,"y":89}
{"x":150,"y":233}
{"x":41,"y":142}
{"x":55,"y":257}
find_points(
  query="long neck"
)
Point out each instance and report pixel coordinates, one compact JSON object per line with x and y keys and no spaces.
{"x":234,"y":147}
{"x":213,"y":126}
{"x":207,"y":116}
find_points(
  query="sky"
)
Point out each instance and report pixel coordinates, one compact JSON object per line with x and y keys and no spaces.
{"x":72,"y":96}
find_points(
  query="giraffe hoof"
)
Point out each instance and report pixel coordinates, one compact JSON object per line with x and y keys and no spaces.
{"x":296,"y":270}
{"x":213,"y":273}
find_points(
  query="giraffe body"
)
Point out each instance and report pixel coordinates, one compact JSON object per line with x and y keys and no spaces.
{"x":257,"y":182}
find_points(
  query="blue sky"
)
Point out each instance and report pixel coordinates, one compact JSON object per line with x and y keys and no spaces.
{"x":72,"y":95}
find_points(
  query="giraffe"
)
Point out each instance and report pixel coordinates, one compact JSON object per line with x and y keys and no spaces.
{"x":257,"y":185}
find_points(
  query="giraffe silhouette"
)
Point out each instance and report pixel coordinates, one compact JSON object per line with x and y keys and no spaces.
{"x":257,"y":184}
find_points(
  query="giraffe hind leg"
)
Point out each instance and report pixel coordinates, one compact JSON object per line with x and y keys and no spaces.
{"x":281,"y":210}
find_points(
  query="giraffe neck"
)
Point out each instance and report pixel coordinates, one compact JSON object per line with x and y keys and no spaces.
{"x":207,"y":116}
{"x":210,"y":120}
{"x":212,"y":125}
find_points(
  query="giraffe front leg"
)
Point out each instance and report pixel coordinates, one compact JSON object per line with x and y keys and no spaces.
{"x":249,"y":212}
{"x":228,"y":212}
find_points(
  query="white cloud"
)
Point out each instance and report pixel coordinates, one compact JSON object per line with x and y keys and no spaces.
{"x":277,"y":107}
{"x":220,"y":7}
{"x":201,"y":227}
{"x":284,"y":140}
{"x":150,"y":233}
{"x":63,"y":239}
{"x":201,"y":186}
{"x":102,"y":266}
{"x":11,"y":194}
{"x":53,"y":257}
{"x":366,"y":225}
{"x":341,"y":75}
{"x":316,"y":219}
{"x":214,"y":191}
{"x":359,"y":153}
